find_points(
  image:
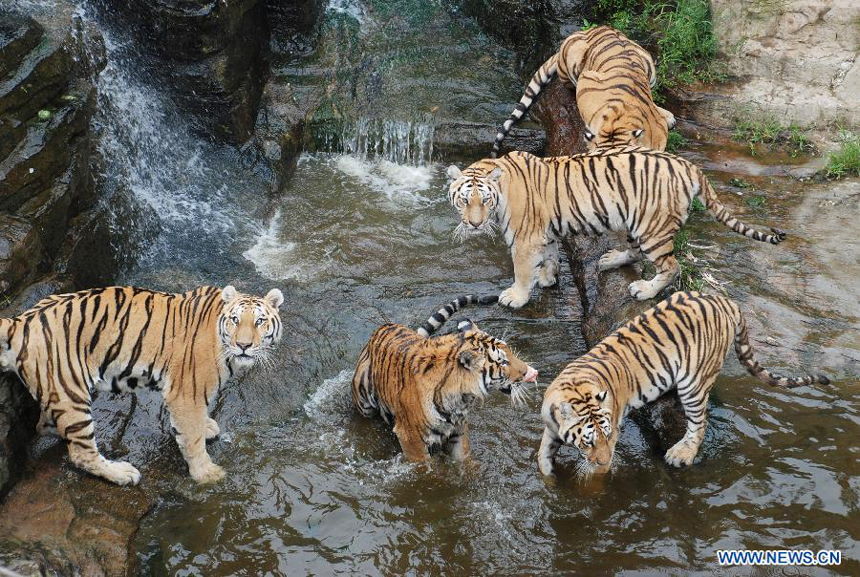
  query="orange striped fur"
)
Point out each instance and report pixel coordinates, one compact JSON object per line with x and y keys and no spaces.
{"x":121,"y":338}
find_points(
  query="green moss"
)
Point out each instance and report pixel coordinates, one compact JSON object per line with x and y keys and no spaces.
{"x":846,"y":161}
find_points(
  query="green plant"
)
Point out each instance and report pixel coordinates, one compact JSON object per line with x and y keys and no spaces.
{"x":697,"y":206}
{"x":740,"y":183}
{"x":845,"y":161}
{"x":756,"y":201}
{"x":767,"y":130}
{"x":675,"y":141}
{"x":687,"y":45}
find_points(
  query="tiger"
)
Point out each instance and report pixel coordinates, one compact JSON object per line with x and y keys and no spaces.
{"x":425,"y":387}
{"x":613,"y":77}
{"x":122,"y":338}
{"x":681,"y":343}
{"x":536,"y":201}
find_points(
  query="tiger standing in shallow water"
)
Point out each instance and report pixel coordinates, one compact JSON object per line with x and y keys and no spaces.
{"x":536,"y":201}
{"x":613,"y":77}
{"x":425,"y":387}
{"x":679,"y":344}
{"x":120,"y":338}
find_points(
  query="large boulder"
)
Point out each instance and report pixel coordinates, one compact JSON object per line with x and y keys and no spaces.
{"x":795,"y":60}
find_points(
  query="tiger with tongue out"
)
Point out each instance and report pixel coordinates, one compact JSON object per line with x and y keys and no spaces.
{"x":425,"y":387}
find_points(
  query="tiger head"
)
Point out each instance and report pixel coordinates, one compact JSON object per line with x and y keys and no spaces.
{"x":475,"y":195}
{"x":612,"y":129}
{"x":586,"y":423}
{"x":249,"y":326}
{"x":491,"y":361}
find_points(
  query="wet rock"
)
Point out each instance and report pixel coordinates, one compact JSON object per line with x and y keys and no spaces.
{"x":474,"y":140}
{"x":18,"y":416}
{"x":294,"y":24}
{"x":62,"y":528}
{"x":214,"y":56}
{"x":533,"y":29}
{"x":20,"y":248}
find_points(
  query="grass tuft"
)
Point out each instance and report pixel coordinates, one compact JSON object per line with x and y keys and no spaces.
{"x":675,"y":141}
{"x":846,"y":161}
{"x":769,"y":132}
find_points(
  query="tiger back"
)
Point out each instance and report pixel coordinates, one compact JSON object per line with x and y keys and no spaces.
{"x":613,"y":77}
{"x":681,"y":343}
{"x":425,"y":387}
{"x":535,"y":201}
{"x":123,"y":338}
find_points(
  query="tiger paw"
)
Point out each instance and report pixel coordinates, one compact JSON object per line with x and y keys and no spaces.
{"x":120,"y":472}
{"x":513,"y":298}
{"x":681,"y":454}
{"x":209,"y":473}
{"x":643,"y":289}
{"x":613,"y":259}
{"x":547,"y":277}
{"x":212,"y":428}
{"x":545,"y":466}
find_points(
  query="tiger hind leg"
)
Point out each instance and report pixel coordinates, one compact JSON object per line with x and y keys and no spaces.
{"x":75,"y":425}
{"x":695,"y":402}
{"x":667,"y":269}
{"x":616,"y":258}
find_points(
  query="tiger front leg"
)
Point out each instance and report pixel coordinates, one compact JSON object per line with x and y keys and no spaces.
{"x":189,"y":419}
{"x":413,"y":445}
{"x":549,"y":446}
{"x":527,"y":258}
{"x":695,"y":402}
{"x":667,"y":269}
{"x":616,"y":258}
{"x":668,"y":117}
{"x":548,"y":273}
{"x":458,"y":444}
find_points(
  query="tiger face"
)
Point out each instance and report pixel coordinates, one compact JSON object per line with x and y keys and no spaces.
{"x":611,"y":129}
{"x":476,"y":199}
{"x":249,"y":326}
{"x":498,"y":367}
{"x":586,"y":423}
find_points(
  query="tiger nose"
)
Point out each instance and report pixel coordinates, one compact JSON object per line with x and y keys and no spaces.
{"x":243,"y":346}
{"x":475,"y":225}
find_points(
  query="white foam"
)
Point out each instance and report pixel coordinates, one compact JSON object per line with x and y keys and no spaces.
{"x":330,"y":395}
{"x":352,"y":8}
{"x":396,"y":181}
{"x":274,"y":258}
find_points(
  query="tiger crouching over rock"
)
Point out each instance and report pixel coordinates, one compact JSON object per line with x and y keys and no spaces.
{"x":679,"y":344}
{"x":536,"y":201}
{"x":120,"y":338}
{"x":613,"y":77}
{"x":425,"y":387}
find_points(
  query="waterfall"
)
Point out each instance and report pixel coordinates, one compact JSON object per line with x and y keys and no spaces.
{"x":401,"y":142}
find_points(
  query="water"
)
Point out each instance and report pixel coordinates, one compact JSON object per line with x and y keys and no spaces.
{"x":361,"y":236}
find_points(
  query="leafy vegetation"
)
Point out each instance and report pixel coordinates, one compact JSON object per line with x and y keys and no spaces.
{"x":767,"y":131}
{"x":675,"y":141}
{"x":756,"y":201}
{"x":680,"y":30}
{"x":846,"y":161}
{"x":697,"y":206}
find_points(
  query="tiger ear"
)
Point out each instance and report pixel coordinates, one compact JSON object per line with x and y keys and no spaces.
{"x":496,"y":175}
{"x":454,"y":172}
{"x":228,"y":293}
{"x":469,"y":359}
{"x":274,"y":298}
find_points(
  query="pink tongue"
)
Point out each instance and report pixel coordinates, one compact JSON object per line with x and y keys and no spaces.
{"x":531,"y":375}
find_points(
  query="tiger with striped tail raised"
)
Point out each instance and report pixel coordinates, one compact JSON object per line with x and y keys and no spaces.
{"x":536,"y":201}
{"x":613,"y":77}
{"x":425,"y":387}
{"x":679,"y":344}
{"x":120,"y":338}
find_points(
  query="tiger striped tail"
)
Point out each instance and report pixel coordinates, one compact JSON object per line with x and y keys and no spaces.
{"x":722,"y":214}
{"x":542,"y":77}
{"x":745,"y":356}
{"x":443,"y":314}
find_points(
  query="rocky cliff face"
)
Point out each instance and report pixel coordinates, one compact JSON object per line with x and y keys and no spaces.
{"x":47,"y":193}
{"x":796,"y":60}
